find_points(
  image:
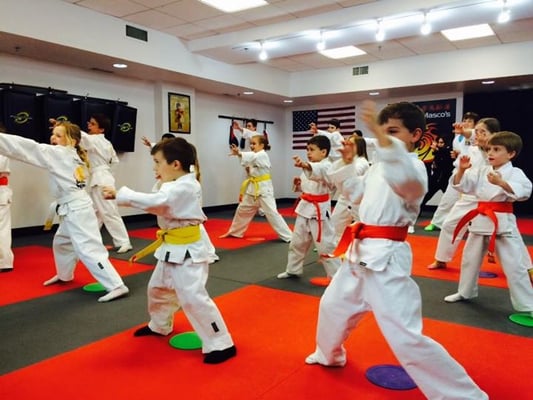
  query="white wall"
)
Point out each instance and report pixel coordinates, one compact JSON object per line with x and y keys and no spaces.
{"x":221,"y":174}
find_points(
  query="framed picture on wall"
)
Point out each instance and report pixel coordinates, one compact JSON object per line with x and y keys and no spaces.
{"x":179,"y":113}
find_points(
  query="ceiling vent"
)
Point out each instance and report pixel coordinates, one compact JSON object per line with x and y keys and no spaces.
{"x":360,"y":70}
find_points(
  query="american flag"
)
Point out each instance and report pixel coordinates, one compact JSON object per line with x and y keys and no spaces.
{"x":302,"y":119}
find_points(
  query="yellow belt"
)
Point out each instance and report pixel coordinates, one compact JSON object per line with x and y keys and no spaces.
{"x":184,"y":235}
{"x":255,"y":180}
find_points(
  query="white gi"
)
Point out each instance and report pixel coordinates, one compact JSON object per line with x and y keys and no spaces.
{"x":509,"y":243}
{"x":446,"y":248}
{"x":6,"y":254}
{"x":307,"y":227}
{"x":460,"y":145}
{"x":101,"y":157}
{"x":77,"y":236}
{"x":335,"y":139}
{"x":375,"y":276}
{"x":182,"y":269}
{"x":345,"y":212}
{"x":258,"y":195}
{"x":247,"y":134}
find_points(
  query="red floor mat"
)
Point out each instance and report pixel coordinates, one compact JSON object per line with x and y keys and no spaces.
{"x":273,"y":340}
{"x":424,"y":252}
{"x":257,"y":232}
{"x":525,"y":225}
{"x":35,"y":264}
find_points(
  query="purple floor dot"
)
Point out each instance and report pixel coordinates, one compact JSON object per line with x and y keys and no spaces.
{"x":390,"y":377}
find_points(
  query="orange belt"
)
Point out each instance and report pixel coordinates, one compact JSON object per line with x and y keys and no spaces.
{"x":316,"y":199}
{"x":362,"y":231}
{"x":487,"y":208}
{"x":3,"y":180}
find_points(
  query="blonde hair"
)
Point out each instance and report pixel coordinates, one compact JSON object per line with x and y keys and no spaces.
{"x":73,"y":136}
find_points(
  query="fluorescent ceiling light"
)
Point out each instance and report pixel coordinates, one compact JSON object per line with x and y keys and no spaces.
{"x":468,"y":32}
{"x":234,"y":5}
{"x":343,"y":52}
{"x":487,"y":82}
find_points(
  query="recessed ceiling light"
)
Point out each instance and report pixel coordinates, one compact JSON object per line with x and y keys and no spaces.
{"x":234,"y":5}
{"x":287,"y":101}
{"x":248,"y":93}
{"x":468,"y":32}
{"x":374,"y":93}
{"x":343,"y":52}
{"x":120,"y":65}
{"x":487,"y":82}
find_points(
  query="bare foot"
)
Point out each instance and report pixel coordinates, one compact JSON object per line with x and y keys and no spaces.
{"x":437,"y":265}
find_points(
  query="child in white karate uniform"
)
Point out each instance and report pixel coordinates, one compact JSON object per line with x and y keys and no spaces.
{"x":446,"y":248}
{"x":102,"y":157}
{"x":493,"y":225}
{"x":313,"y":213}
{"x":344,"y":212}
{"x":257,"y":191}
{"x":464,"y":138}
{"x":375,"y":273}
{"x":77,"y":236}
{"x":334,"y":135}
{"x":213,"y":256}
{"x":181,"y":271}
{"x":6,"y":254}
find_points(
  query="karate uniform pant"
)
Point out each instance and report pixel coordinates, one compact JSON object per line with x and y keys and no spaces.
{"x":514,"y":258}
{"x":78,"y":238}
{"x":246,"y":211}
{"x":446,"y":203}
{"x":304,"y":236}
{"x":445,"y":248}
{"x":6,"y":254}
{"x":395,"y":300}
{"x":342,"y":216}
{"x":108,"y":214}
{"x":172,"y":285}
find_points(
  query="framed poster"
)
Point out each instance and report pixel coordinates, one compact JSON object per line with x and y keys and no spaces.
{"x":179,"y":113}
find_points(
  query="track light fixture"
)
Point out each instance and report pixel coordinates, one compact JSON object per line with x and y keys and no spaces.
{"x":505,"y":13}
{"x":425,"y":29}
{"x":380,"y":32}
{"x":321,"y":45}
{"x":263,"y":54}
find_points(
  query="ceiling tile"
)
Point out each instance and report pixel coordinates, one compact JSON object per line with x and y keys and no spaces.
{"x":190,"y":10}
{"x":317,"y":10}
{"x":218,"y":22}
{"x":154,"y":19}
{"x":186,"y":30}
{"x":155,"y":3}
{"x":117,"y":8}
{"x":427,"y":44}
{"x":479,"y":42}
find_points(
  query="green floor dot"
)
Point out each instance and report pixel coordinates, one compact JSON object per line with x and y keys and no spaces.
{"x":94,"y":287}
{"x":186,"y":341}
{"x":522,"y":319}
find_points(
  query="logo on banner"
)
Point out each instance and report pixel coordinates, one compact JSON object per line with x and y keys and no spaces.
{"x":125,"y":127}
{"x":21,"y":117}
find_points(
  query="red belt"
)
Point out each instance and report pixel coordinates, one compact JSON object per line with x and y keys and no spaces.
{"x":3,"y":180}
{"x":487,"y":208}
{"x":362,"y":231}
{"x":316,"y":199}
